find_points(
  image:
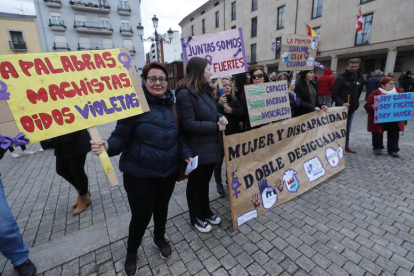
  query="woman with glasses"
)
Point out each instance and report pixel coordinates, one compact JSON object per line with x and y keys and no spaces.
{"x":258,"y":76}
{"x":387,"y":87}
{"x":202,"y":125}
{"x":306,"y":90}
{"x":151,"y":150}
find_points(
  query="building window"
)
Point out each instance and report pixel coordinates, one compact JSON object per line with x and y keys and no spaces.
{"x":128,"y":44}
{"x":363,"y":36}
{"x":17,"y":42}
{"x":56,"y":19}
{"x":253,"y":52}
{"x":104,"y":23}
{"x":318,"y":31}
{"x":203,"y":26}
{"x":107,"y":43}
{"x":233,"y":11}
{"x":80,"y":20}
{"x":254,"y":5}
{"x":60,"y":42}
{"x":278,"y":47}
{"x":281,"y":17}
{"x":123,"y":5}
{"x":254,"y":27}
{"x":233,"y":27}
{"x":217,"y":19}
{"x":216,"y":4}
{"x":317,"y":8}
{"x":192,"y":30}
{"x":365,"y":1}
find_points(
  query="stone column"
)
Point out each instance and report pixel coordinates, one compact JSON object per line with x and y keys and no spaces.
{"x":391,"y":57}
{"x":334,"y":62}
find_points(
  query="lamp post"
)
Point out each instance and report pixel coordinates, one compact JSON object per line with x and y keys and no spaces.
{"x":156,"y":38}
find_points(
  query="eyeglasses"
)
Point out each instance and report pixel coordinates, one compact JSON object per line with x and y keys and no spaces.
{"x":154,"y":80}
{"x":391,"y":83}
{"x":258,"y":76}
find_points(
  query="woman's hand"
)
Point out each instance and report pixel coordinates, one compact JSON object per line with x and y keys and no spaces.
{"x":317,"y":109}
{"x":223,"y":100}
{"x":292,"y":88}
{"x":97,"y":146}
{"x":373,"y":106}
{"x":223,"y":121}
{"x":325,"y":108}
{"x":188,"y":160}
{"x":228,"y":109}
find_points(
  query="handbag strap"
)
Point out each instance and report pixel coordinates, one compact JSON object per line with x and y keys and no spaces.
{"x":174,"y":109}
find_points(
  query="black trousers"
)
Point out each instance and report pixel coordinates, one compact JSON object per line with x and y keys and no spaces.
{"x":217,"y":172}
{"x":198,"y":192}
{"x":73,"y":171}
{"x":393,"y":136}
{"x":147,"y":196}
{"x":23,"y":147}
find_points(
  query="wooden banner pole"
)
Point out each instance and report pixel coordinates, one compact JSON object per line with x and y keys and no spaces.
{"x":105,"y":161}
{"x":229,"y":182}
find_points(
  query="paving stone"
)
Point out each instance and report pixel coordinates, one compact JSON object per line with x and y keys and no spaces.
{"x":255,"y":270}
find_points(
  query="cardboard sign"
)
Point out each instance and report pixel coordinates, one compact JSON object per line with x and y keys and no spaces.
{"x":267,"y":102}
{"x":298,"y":52}
{"x":394,"y":107}
{"x":51,"y":94}
{"x":223,"y":50}
{"x":271,"y":165}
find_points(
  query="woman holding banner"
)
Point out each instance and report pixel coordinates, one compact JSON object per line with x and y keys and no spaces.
{"x":387,"y":87}
{"x":228,"y":105}
{"x":306,"y":90}
{"x":151,"y":151}
{"x":202,"y":125}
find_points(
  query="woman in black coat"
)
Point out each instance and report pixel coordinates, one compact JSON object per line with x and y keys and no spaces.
{"x":228,"y":105}
{"x":202,"y":125}
{"x":70,"y":151}
{"x":306,"y":90}
{"x":151,"y":150}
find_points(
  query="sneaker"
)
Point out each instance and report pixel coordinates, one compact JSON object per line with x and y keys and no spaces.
{"x":26,"y":269}
{"x":202,"y":226}
{"x":14,"y":155}
{"x":215,"y":220}
{"x":394,"y":154}
{"x":130,"y":264}
{"x":27,"y":152}
{"x":378,"y":151}
{"x":165,"y":248}
{"x":41,"y":149}
{"x":220,"y":190}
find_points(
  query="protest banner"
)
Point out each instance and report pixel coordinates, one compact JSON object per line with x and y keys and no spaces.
{"x":51,"y":94}
{"x":223,"y":50}
{"x":267,"y":102}
{"x":319,"y":64}
{"x":394,"y":107}
{"x":271,"y":165}
{"x":298,"y":52}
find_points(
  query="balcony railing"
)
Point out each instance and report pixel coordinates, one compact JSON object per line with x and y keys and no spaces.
{"x":89,"y":6}
{"x":61,"y":46}
{"x":131,"y":49}
{"x":18,"y":45}
{"x":126,"y":31}
{"x":57,"y":26}
{"x":124,"y":9}
{"x":53,"y":3}
{"x":94,"y":46}
{"x":93,"y":27}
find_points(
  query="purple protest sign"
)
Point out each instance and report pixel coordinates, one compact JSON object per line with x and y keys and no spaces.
{"x":319,"y":64}
{"x":223,"y":50}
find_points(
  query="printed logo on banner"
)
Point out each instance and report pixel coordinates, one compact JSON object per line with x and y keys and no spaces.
{"x":291,"y":181}
{"x":332,"y":157}
{"x":235,"y":184}
{"x":268,"y":193}
{"x":286,"y":57}
{"x":314,"y":169}
{"x":246,"y":217}
{"x":310,"y":61}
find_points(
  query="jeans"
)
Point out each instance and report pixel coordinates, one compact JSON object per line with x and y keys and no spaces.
{"x":348,"y":128}
{"x":147,"y":196}
{"x":73,"y":171}
{"x":11,"y":241}
{"x":325,"y":100}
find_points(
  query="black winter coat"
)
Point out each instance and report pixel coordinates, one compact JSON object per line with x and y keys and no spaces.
{"x":302,"y":92}
{"x":199,"y":119}
{"x":241,"y":97}
{"x":235,"y":117}
{"x":72,"y":144}
{"x":150,"y":143}
{"x":348,"y":84}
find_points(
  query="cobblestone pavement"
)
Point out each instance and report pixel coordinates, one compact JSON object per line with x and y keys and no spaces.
{"x":359,"y":222}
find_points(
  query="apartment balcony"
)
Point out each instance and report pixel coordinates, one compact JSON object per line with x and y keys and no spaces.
{"x":93,"y":27}
{"x":61,"y":46}
{"x":126,"y":31}
{"x":53,"y":3}
{"x":124,"y":10}
{"x":89,"y":7}
{"x":18,"y":46}
{"x":57,"y":26}
{"x":94,"y":46}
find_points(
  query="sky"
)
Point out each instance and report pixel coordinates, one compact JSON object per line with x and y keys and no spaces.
{"x":169,"y":13}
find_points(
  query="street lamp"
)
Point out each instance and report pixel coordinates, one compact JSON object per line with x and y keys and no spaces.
{"x":156,"y":38}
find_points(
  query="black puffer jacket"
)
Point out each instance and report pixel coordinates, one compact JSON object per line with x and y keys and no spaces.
{"x":199,"y":119}
{"x":348,"y":84}
{"x":238,"y":113}
{"x":150,"y":143}
{"x":302,"y":92}
{"x":72,"y":144}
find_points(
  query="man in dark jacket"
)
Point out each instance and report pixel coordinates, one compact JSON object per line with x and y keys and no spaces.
{"x":346,"y":92}
{"x":373,"y":82}
{"x":409,"y":83}
{"x":11,"y":241}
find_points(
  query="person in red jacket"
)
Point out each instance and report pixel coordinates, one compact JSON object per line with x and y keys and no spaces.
{"x":387,"y":87}
{"x":325,"y":84}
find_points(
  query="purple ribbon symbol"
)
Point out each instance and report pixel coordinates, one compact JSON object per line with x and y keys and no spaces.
{"x":4,"y":95}
{"x":209,"y":59}
{"x":7,"y":141}
{"x":127,"y":62}
{"x":306,"y":55}
{"x":238,"y":51}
